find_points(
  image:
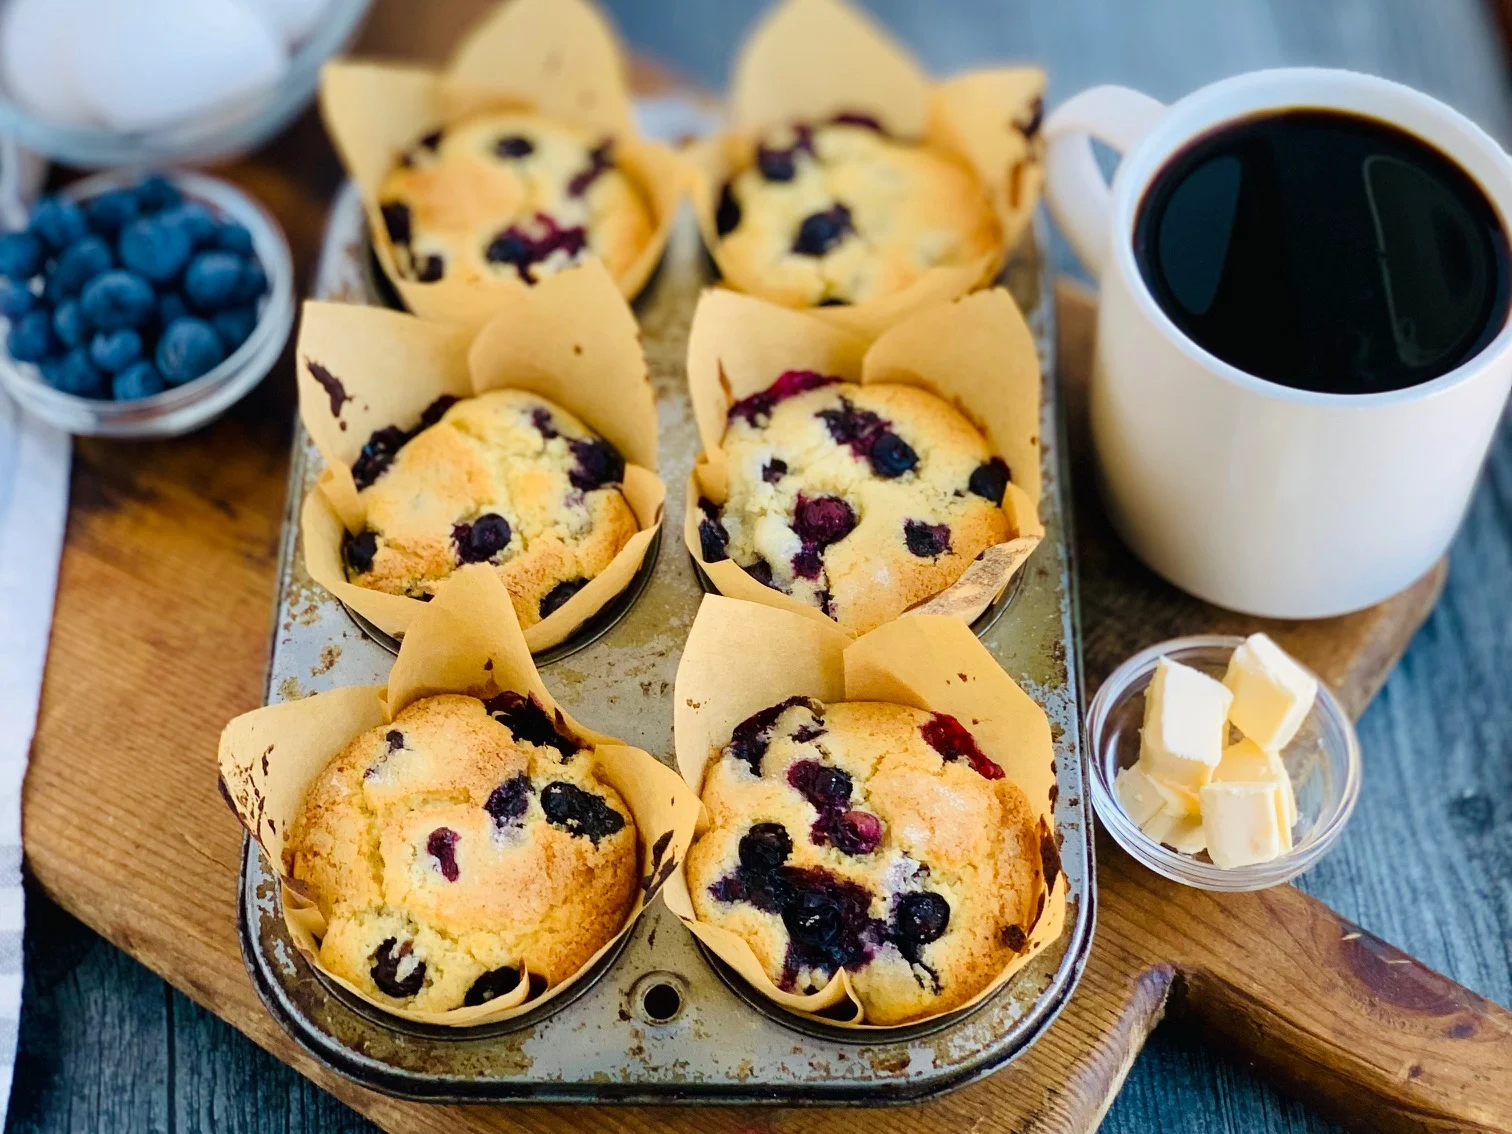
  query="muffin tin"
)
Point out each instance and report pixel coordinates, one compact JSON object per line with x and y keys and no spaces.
{"x":662,"y":1022}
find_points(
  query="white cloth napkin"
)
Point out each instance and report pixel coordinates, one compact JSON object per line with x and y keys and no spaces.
{"x":34,"y":469}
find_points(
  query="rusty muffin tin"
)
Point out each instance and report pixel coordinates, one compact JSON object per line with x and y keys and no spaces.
{"x":660,"y":1020}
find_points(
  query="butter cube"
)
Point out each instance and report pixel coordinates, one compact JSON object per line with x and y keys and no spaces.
{"x":1272,"y":693}
{"x":1242,"y":823}
{"x":1137,"y":794}
{"x":1183,"y":833}
{"x":1185,"y":725}
{"x":1179,"y":801}
{"x":1244,"y":760}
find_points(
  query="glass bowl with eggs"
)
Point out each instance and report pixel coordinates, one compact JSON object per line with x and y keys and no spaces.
{"x":96,"y":83}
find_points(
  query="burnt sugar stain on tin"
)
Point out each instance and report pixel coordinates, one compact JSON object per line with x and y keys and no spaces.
{"x":1325,"y":251}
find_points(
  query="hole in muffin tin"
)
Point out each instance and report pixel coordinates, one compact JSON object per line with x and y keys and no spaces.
{"x":477,"y":1031}
{"x":584,"y":636}
{"x":984,"y":621}
{"x":819,"y":1029}
{"x":659,"y":997}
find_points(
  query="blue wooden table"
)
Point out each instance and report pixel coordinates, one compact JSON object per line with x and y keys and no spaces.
{"x":1427,"y":862}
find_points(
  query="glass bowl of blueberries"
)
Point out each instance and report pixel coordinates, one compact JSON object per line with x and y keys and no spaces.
{"x":142,"y":305}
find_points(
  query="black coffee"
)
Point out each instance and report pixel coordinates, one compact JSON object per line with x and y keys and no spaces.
{"x":1325,"y":251}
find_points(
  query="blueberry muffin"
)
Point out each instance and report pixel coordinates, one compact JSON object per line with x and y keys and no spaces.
{"x":860,"y":500}
{"x":506,"y":478}
{"x":840,"y":213}
{"x":463,"y":844}
{"x":513,"y":195}
{"x":871,"y":837}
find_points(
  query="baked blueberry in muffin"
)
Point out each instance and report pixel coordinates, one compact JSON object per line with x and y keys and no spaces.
{"x":838,"y":212}
{"x":860,"y":500}
{"x":461,"y":846}
{"x":871,"y":837}
{"x":505,"y":478}
{"x":511,"y":194}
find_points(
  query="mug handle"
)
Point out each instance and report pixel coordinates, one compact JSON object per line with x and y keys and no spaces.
{"x":1079,"y":196}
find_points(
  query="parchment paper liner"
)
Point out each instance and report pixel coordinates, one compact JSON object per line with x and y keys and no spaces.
{"x":557,"y":58}
{"x":808,"y":60}
{"x":976,"y":353}
{"x":466,"y":641}
{"x":741,"y":657}
{"x":571,"y":339}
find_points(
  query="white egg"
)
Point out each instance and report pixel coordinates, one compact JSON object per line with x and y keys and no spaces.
{"x":35,"y":38}
{"x":291,"y":20}
{"x":143,"y":64}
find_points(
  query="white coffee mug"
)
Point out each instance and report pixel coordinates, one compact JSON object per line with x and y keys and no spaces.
{"x":1255,"y":496}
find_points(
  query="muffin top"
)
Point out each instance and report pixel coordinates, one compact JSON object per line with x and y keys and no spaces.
{"x":860,"y":500}
{"x":841,"y":213}
{"x":873,"y":837}
{"x":506,"y":478}
{"x":511,"y":194}
{"x":463,"y":844}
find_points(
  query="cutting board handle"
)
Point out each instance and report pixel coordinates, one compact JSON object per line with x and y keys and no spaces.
{"x":1334,"y":1014}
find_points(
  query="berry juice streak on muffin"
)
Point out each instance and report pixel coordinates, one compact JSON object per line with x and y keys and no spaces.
{"x":600,"y":161}
{"x":523,"y":250}
{"x":757,"y":408}
{"x":383,"y":445}
{"x":442,"y":846}
{"x":951,"y":740}
{"x":750,"y":738}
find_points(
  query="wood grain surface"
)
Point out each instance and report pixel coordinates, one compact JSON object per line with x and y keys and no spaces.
{"x":161,"y":633}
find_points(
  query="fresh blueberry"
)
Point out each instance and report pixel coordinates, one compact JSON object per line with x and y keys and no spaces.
{"x":157,"y":193}
{"x":557,"y":597}
{"x":69,"y":324}
{"x":820,"y":232}
{"x":388,"y":961}
{"x":197,"y":222}
{"x":234,"y":325}
{"x":233,"y":237}
{"x":765,"y":847}
{"x":509,"y":800}
{"x":990,"y":480}
{"x":156,"y":247}
{"x":926,"y":540}
{"x":140,"y":380}
{"x":59,"y":222}
{"x":189,"y":347}
{"x":891,"y":456}
{"x":80,"y":262}
{"x":112,"y":209}
{"x":31,"y":337}
{"x":253,"y":281}
{"x":170,"y":306}
{"x":116,"y":300}
{"x":77,"y":375}
{"x":113,"y":351}
{"x":579,"y":812}
{"x":16,"y":299}
{"x":21,"y":255}
{"x":213,"y":279}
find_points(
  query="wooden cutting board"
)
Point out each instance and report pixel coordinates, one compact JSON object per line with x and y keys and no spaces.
{"x":161,"y":635}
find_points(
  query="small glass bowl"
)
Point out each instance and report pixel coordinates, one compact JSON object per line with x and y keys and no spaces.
{"x":178,"y":409}
{"x":219,"y":134}
{"x":1323,"y":761}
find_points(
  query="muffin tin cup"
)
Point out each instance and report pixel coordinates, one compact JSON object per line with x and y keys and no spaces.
{"x":743,"y":657}
{"x":976,"y":354}
{"x":179,"y":409}
{"x":375,"y":111}
{"x":571,"y":340}
{"x":467,"y":641}
{"x":1323,"y":761}
{"x":810,"y":60}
